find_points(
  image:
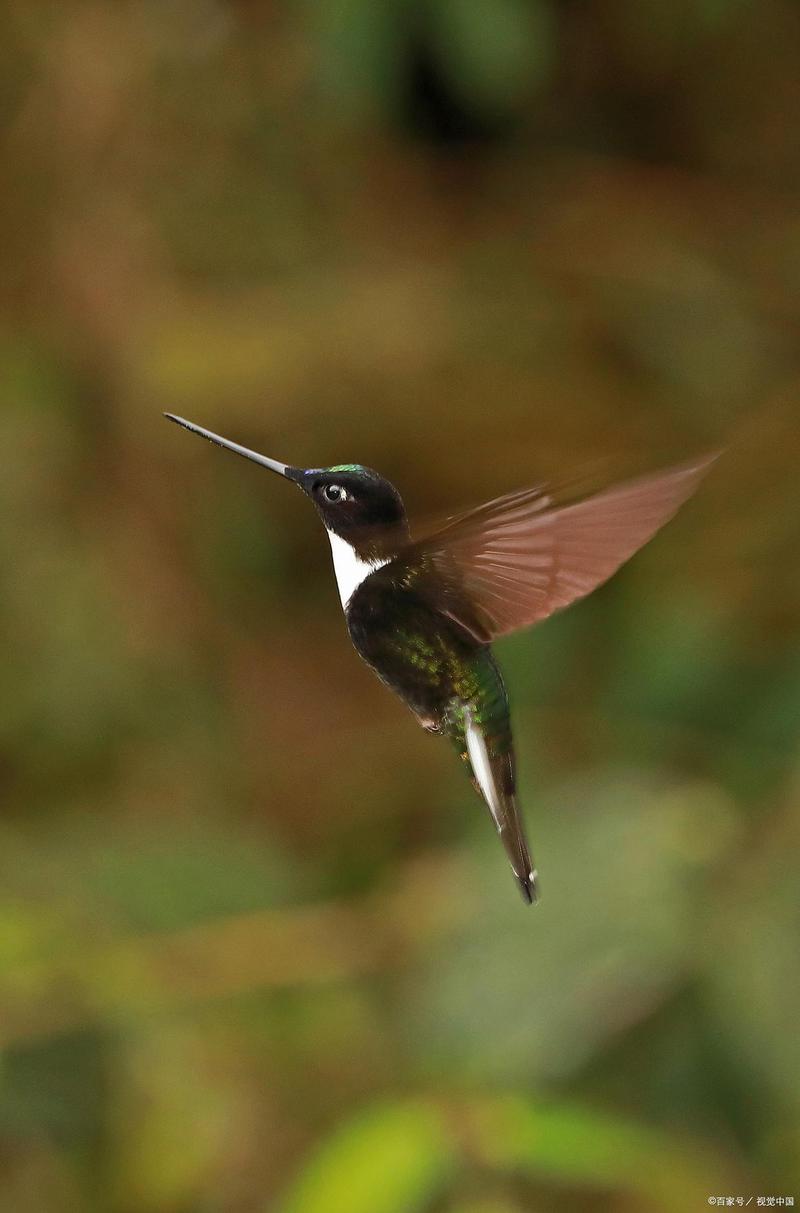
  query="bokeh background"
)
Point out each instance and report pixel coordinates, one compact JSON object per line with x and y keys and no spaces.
{"x":259,"y":947}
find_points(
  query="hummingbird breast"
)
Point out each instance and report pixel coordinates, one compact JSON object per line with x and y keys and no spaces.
{"x":425,"y":657}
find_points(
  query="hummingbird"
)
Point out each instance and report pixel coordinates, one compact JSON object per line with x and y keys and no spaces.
{"x":423,"y":613}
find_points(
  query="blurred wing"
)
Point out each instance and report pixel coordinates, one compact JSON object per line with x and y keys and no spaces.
{"x":514,"y":561}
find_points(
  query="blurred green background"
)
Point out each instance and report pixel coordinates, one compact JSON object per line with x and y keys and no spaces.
{"x":259,"y":947}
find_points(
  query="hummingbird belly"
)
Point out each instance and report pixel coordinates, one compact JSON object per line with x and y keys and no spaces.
{"x":422,"y":655}
{"x":431,"y":662}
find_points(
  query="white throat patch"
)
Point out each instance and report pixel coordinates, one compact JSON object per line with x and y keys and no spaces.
{"x":348,"y":566}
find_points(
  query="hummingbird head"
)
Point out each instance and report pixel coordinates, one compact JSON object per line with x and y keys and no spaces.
{"x":354,"y":503}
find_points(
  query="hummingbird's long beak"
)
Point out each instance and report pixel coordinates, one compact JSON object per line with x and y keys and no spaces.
{"x":274,"y":466}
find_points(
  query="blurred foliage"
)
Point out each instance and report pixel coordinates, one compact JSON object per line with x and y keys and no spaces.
{"x":259,"y":948}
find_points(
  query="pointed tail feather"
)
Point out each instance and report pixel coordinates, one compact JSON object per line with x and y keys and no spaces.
{"x":494,"y":778}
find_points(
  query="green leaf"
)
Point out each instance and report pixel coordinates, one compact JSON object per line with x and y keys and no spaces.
{"x":584,"y":1146}
{"x":392,"y":1159}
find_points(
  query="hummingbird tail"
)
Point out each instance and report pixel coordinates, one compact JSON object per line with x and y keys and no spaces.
{"x":530,"y":887}
{"x":493,"y":775}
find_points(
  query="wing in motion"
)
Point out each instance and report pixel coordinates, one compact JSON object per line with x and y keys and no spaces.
{"x":514,"y":561}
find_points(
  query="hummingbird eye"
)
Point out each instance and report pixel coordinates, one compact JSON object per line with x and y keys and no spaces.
{"x":334,"y":492}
